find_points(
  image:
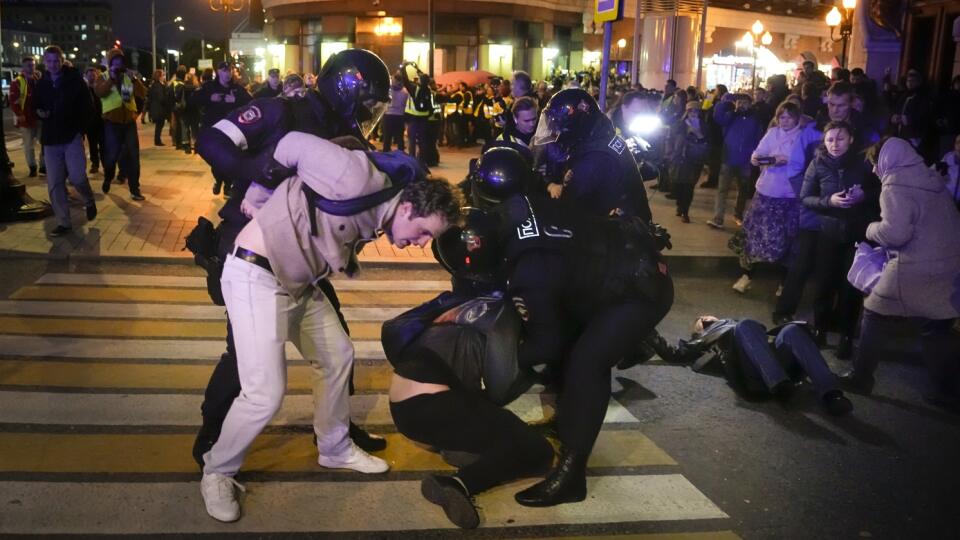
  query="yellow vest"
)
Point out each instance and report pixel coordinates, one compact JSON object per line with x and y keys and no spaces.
{"x":412,"y":110}
{"x":114,"y":100}
{"x":22,"y":83}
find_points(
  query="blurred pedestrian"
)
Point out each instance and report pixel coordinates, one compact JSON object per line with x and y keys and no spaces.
{"x":215,"y":99}
{"x":94,"y":130}
{"x":22,"y":91}
{"x":121,"y":142}
{"x":157,"y":105}
{"x":393,"y":117}
{"x":693,"y":155}
{"x":741,"y":134}
{"x":190,"y":114}
{"x":272,"y":87}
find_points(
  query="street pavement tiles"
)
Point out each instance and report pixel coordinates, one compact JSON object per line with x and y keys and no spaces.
{"x":101,"y":378}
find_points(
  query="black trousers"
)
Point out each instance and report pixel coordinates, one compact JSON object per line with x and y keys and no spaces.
{"x":836,"y":304}
{"x":392,"y":131}
{"x":610,"y":335}
{"x":158,"y":129}
{"x":460,"y":421}
{"x":799,"y":271}
{"x":684,"y":193}
{"x":95,"y":143}
{"x":224,"y":383}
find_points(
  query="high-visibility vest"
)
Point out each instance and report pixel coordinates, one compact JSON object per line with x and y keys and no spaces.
{"x":114,"y":100}
{"x":510,"y":138}
{"x":22,"y":83}
{"x":410,"y":109}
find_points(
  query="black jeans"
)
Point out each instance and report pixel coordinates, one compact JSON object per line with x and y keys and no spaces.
{"x":837,"y":303}
{"x":794,"y":350}
{"x":392,"y":131}
{"x":121,"y":144}
{"x":610,"y":335}
{"x":940,"y":348}
{"x":684,"y":193}
{"x":158,"y":129}
{"x":799,"y":271}
{"x":460,"y":421}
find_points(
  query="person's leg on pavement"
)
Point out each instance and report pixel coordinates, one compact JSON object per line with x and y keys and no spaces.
{"x":28,"y":136}
{"x":796,"y":343}
{"x":411,"y":137}
{"x":76,"y":163}
{"x":222,"y":388}
{"x":751,"y":340}
{"x":941,"y":354}
{"x":825,"y":281}
{"x":131,"y":158}
{"x":720,"y":201}
{"x":874,"y":329}
{"x":112,"y":146}
{"x":56,"y":165}
{"x":158,"y":131}
{"x":744,"y":190}
{"x":797,"y":274}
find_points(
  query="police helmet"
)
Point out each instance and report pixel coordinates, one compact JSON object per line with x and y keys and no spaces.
{"x":472,"y":248}
{"x":567,"y":118}
{"x":356,"y":82}
{"x":501,"y":172}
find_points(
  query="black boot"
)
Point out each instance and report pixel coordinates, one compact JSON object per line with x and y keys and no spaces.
{"x":33,"y":172}
{"x":449,"y":493}
{"x":366,"y":441}
{"x":566,"y":483}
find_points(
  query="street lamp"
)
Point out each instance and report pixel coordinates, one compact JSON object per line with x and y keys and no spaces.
{"x":154,"y":26}
{"x":226,"y":7}
{"x":753,"y":39}
{"x":621,"y":43}
{"x":203,"y":40}
{"x":844,"y":20}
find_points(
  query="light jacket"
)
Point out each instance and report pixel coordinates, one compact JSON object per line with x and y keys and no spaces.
{"x":774,"y":180}
{"x":297,"y":257}
{"x":919,"y":225}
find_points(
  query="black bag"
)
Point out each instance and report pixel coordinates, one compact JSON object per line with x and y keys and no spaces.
{"x":202,"y":242}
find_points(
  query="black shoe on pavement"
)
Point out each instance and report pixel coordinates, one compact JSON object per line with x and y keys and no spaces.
{"x":455,"y":458}
{"x":43,"y":171}
{"x":836,"y":404}
{"x":368,"y":442}
{"x":845,"y":348}
{"x":137,"y":196}
{"x":91,"y":212}
{"x":852,"y":382}
{"x":449,"y":494}
{"x":33,"y":172}
{"x":105,"y":187}
{"x":685,"y":218}
{"x":565,"y":484}
{"x":158,"y":143}
{"x":58,"y":231}
{"x":216,"y":187}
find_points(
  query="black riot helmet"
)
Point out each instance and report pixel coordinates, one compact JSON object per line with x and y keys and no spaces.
{"x":501,"y":172}
{"x":472,"y":248}
{"x":356,"y":82}
{"x":568,"y":118}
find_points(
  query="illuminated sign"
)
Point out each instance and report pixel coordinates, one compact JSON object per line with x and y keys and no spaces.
{"x":607,"y":10}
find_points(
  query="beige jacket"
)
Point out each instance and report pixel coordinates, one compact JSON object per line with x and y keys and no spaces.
{"x":297,"y":257}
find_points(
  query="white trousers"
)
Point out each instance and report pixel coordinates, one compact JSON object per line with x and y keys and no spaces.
{"x":263,"y":317}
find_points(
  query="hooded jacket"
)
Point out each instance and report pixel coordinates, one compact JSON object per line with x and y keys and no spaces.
{"x":774,"y":180}
{"x":919,"y":225}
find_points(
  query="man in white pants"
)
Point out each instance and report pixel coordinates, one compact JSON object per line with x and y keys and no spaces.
{"x":267,"y":285}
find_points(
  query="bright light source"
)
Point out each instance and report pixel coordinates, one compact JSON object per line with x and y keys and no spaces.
{"x":757,"y":27}
{"x":849,"y":4}
{"x":71,"y":56}
{"x":767,"y":39}
{"x":75,"y":49}
{"x":388,"y":27}
{"x":209,"y":46}
{"x":173,"y":52}
{"x":178,"y":19}
{"x":549,"y":53}
{"x":181,"y":28}
{"x":259,"y":51}
{"x":621,"y":43}
{"x":833,"y":18}
{"x":747,"y":40}
{"x":16,"y":44}
{"x":645,"y":125}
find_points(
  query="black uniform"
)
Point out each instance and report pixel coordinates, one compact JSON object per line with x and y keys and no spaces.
{"x":236,"y":147}
{"x":266,"y":92}
{"x":602,"y":176}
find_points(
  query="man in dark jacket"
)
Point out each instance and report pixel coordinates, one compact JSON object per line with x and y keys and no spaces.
{"x":272,"y":87}
{"x":157,"y":105}
{"x":741,"y":134}
{"x":913,"y":114}
{"x":63,"y":104}
{"x":216,"y":99}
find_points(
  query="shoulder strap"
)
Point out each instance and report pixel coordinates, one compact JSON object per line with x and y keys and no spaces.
{"x":346,"y":207}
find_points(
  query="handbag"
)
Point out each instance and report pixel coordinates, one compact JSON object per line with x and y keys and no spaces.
{"x":867,"y":267}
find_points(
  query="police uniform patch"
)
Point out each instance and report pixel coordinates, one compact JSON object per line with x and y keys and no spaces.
{"x":251,"y":115}
{"x":521,"y":308}
{"x":617,"y":144}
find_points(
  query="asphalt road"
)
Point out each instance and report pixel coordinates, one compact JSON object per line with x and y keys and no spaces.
{"x":780,"y":470}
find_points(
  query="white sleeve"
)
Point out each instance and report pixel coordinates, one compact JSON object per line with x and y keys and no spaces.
{"x":257,"y":195}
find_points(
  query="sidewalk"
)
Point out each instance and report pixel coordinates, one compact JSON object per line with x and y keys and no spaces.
{"x":178,"y":190}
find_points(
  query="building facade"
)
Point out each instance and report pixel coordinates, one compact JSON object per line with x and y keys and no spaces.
{"x":83,"y":29}
{"x":19,"y":42}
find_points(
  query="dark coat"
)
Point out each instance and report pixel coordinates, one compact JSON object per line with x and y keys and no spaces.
{"x":216,"y":109}
{"x":156,"y":105}
{"x":826,"y":176}
{"x":68,"y":103}
{"x":742,"y":132}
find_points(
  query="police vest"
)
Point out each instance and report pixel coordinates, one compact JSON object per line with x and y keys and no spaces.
{"x":411,"y":109}
{"x":114,"y":100}
{"x":634,"y":201}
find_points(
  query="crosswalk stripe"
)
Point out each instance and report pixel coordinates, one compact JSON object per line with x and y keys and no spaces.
{"x":197,"y":296}
{"x":178,"y":349}
{"x":53,"y":308}
{"x":123,"y":410}
{"x":271,"y":452}
{"x":106,"y":508}
{"x":190,"y":377}
{"x":142,"y":280}
{"x":120,"y":328}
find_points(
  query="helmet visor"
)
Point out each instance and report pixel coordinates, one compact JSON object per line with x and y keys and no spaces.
{"x":371,"y":117}
{"x":547,"y":132}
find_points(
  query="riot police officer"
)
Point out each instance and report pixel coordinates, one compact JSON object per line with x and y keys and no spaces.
{"x":588,"y":289}
{"x":595,"y":168}
{"x":352,"y":94}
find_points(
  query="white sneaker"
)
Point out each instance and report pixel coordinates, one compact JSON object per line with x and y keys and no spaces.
{"x":743,"y":284}
{"x":779,"y":292}
{"x":219,"y":496}
{"x":356,"y":459}
{"x":714,"y":224}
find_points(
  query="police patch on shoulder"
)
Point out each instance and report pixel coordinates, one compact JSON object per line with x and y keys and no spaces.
{"x":521,"y":308}
{"x":250,"y":115}
{"x":617,"y":144}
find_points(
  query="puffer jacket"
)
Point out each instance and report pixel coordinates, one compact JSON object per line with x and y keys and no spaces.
{"x":919,"y":227}
{"x":827,"y":175}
